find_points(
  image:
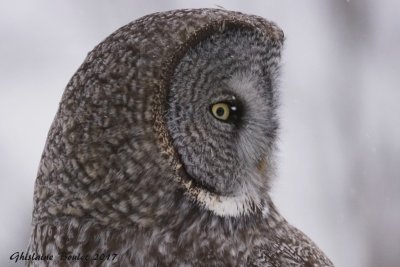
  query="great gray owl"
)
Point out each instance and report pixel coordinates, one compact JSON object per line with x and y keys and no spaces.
{"x":162,"y":150}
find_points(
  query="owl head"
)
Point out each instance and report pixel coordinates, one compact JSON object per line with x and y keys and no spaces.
{"x":173,"y":112}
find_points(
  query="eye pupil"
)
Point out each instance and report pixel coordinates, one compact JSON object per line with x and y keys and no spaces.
{"x":220,"y":111}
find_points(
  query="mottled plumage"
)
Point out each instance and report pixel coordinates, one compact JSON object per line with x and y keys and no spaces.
{"x":139,"y":163}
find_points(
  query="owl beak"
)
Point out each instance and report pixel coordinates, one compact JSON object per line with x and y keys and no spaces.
{"x":262,"y":165}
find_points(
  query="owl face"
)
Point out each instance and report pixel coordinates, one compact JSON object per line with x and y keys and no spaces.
{"x":221,"y":113}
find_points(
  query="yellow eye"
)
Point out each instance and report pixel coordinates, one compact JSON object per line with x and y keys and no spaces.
{"x":221,"y":111}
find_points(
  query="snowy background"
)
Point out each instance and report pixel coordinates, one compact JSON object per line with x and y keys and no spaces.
{"x":339,"y":172}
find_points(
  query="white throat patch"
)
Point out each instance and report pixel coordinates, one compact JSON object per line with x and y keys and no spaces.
{"x":224,"y":206}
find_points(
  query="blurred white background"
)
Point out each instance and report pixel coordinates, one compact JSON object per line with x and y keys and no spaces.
{"x":339,"y":159}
